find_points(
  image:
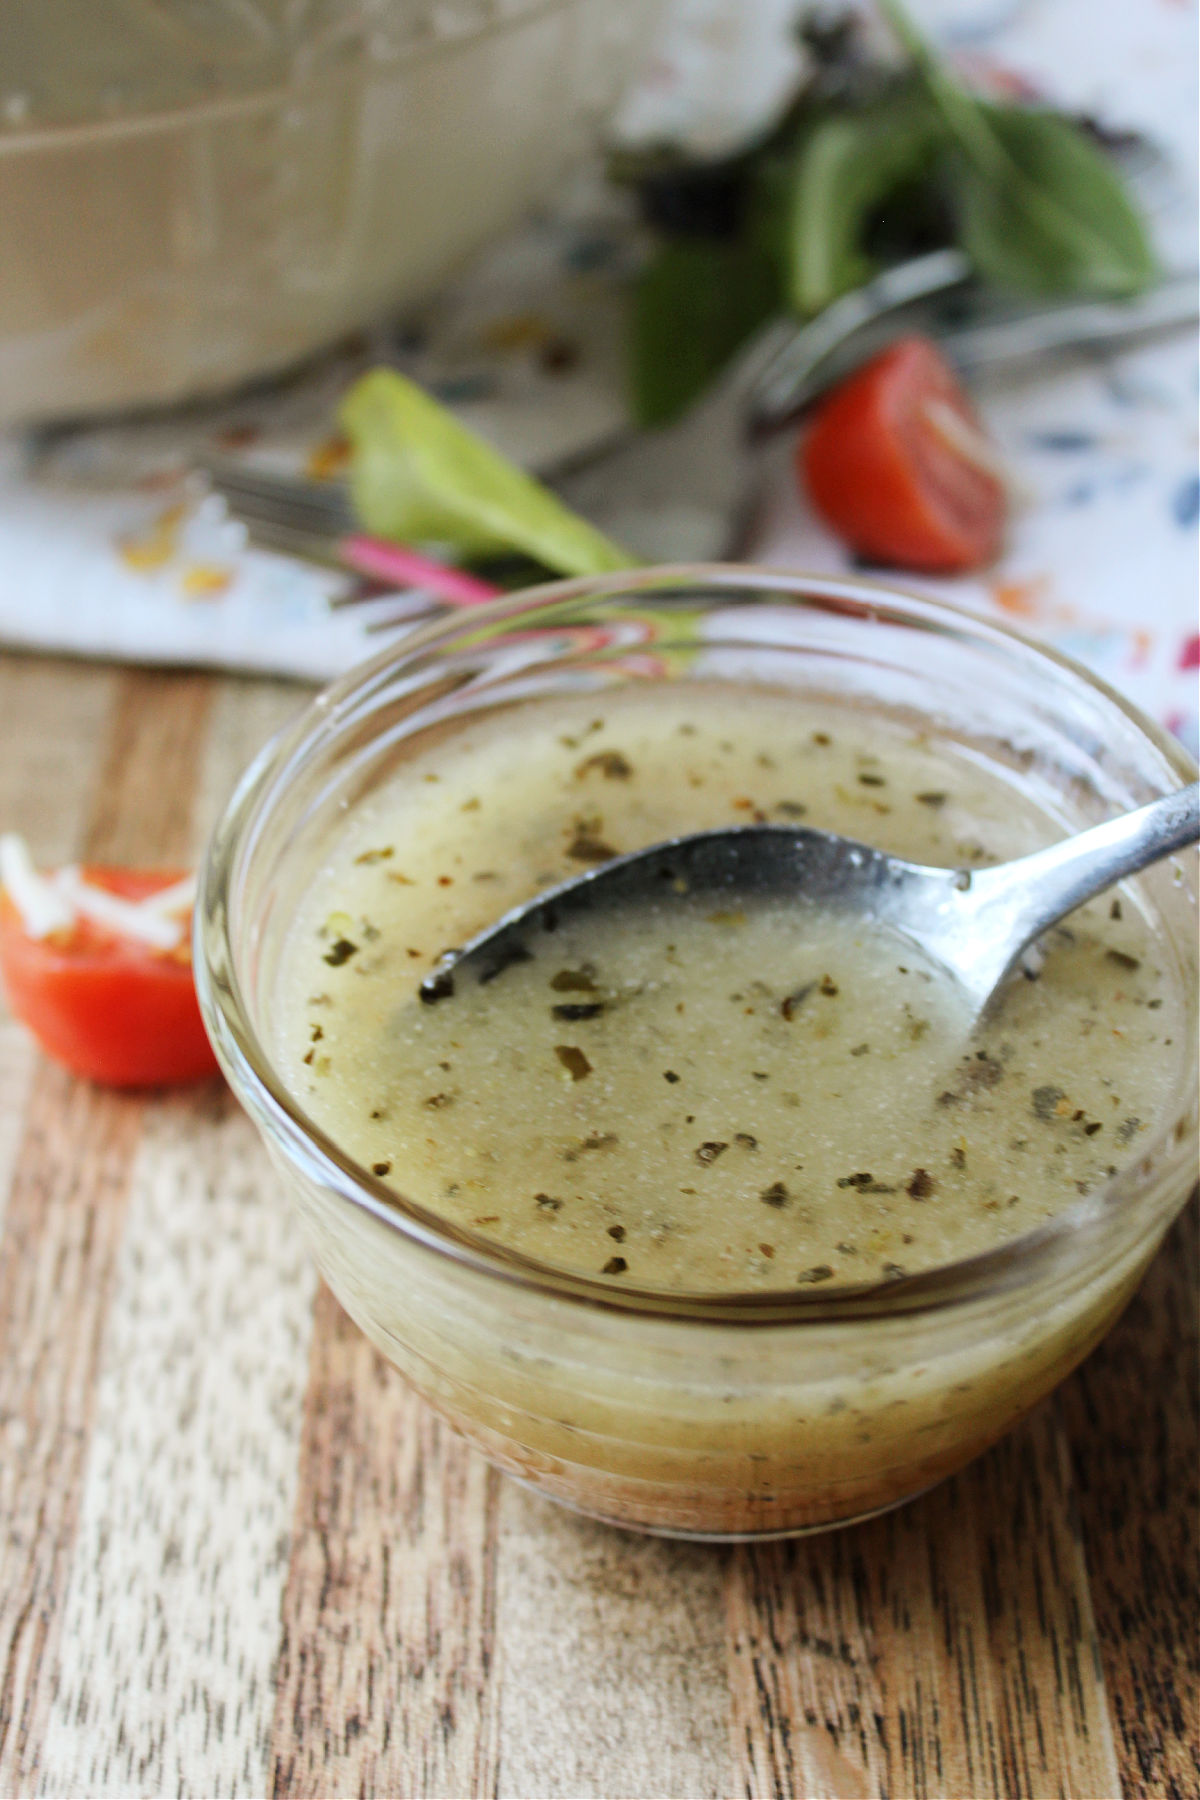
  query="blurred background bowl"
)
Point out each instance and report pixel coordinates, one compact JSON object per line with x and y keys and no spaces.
{"x":196,"y":192}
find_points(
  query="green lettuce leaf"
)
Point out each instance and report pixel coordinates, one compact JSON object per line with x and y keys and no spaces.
{"x":695,"y":303}
{"x":848,"y":165}
{"x":1043,"y":211}
{"x":1063,"y":224}
{"x":418,"y":476}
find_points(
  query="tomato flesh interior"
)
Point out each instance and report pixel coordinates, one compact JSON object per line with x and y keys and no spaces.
{"x":109,"y":1008}
{"x":893,"y":463}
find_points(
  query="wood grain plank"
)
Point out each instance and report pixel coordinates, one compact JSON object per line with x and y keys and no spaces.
{"x":17,"y":1059}
{"x":245,"y":713}
{"x":63,"y":1227}
{"x":807,"y":1697}
{"x":1132,"y":1416}
{"x":1055,"y":1734}
{"x":53,"y":719}
{"x":142,"y":805}
{"x":65,"y":1220}
{"x":387,"y":1666}
{"x":170,"y":1626}
{"x":52,"y":725}
{"x":612,"y":1659}
{"x":182,"y":1546}
{"x":443,"y":1632}
{"x":946,"y":1649}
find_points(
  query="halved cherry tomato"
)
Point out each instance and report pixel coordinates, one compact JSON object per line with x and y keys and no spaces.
{"x":898,"y":466}
{"x":109,"y":1008}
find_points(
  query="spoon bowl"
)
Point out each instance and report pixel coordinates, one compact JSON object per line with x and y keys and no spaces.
{"x":972,"y":924}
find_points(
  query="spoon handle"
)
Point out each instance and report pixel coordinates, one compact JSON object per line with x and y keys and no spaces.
{"x":1034,"y":892}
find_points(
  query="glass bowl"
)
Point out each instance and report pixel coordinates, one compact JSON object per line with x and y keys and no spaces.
{"x":194,"y":193}
{"x":739,"y":1415}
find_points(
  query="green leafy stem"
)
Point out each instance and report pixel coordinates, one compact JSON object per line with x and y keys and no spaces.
{"x":1031,"y":198}
{"x":419,"y":476}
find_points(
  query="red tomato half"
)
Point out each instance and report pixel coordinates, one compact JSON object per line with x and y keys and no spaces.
{"x":110,"y":1009}
{"x":897,"y":465}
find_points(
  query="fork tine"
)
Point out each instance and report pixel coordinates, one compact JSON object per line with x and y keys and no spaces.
{"x":323,"y":548}
{"x":280,"y":497}
{"x":419,"y":606}
{"x":332,"y":520}
{"x":291,"y":540}
{"x":314,"y":520}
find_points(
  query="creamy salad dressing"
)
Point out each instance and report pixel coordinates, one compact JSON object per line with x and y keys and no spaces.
{"x":702,"y":1098}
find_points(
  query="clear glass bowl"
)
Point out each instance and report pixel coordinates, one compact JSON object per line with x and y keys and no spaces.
{"x":736,"y":1416}
{"x":197,"y":192}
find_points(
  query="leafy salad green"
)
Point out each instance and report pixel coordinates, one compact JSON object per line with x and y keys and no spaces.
{"x":420,"y":477}
{"x":870,"y":164}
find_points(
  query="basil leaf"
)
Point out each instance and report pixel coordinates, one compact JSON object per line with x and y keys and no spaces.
{"x":1043,"y":210}
{"x":848,"y":166}
{"x":1063,"y":224}
{"x":695,"y":302}
{"x":419,"y":476}
{"x":960,"y":110}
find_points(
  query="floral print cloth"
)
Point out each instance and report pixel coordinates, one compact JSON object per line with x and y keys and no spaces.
{"x":108,"y":547}
{"x":1101,"y":559}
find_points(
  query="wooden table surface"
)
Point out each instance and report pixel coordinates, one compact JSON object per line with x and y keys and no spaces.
{"x":238,"y":1557}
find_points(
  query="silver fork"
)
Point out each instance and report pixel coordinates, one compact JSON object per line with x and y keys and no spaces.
{"x":314,"y":520}
{"x":681,"y":494}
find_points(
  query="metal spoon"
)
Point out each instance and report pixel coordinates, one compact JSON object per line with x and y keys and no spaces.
{"x":973,"y":923}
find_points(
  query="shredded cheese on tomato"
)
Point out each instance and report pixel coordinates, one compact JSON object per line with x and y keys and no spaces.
{"x":42,"y":908}
{"x":125,"y":918}
{"x":966,"y":440}
{"x":50,"y":903}
{"x":180,"y":897}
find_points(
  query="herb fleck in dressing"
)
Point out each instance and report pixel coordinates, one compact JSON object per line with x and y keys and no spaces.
{"x":760,"y":1098}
